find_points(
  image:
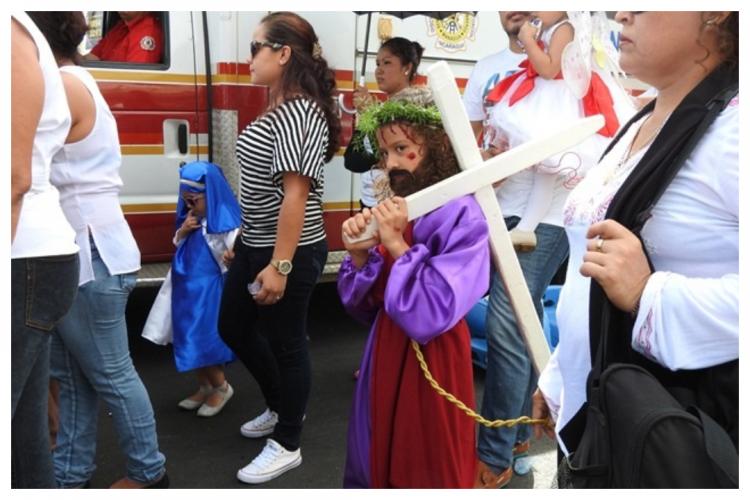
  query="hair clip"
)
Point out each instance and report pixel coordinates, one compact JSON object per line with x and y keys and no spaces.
{"x":317,"y":51}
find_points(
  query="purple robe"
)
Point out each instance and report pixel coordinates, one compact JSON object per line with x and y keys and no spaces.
{"x":428,"y":291}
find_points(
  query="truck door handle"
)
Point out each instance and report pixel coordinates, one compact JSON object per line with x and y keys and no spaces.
{"x":182,"y":138}
{"x":176,"y":134}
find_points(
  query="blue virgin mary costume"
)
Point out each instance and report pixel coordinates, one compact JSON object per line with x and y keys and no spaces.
{"x":197,"y":277}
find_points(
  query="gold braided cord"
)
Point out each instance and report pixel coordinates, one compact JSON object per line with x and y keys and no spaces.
{"x":450,"y":397}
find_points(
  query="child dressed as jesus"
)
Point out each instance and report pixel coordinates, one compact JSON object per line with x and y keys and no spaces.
{"x":413,"y":281}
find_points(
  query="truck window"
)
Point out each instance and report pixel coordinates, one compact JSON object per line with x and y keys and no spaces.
{"x":126,"y":39}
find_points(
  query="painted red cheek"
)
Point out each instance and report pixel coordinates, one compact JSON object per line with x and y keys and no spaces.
{"x":411,"y":156}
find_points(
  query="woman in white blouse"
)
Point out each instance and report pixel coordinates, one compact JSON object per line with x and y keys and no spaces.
{"x":684,"y":311}
{"x":89,"y":355}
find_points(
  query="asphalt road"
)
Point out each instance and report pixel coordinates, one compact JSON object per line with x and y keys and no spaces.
{"x":206,"y":452}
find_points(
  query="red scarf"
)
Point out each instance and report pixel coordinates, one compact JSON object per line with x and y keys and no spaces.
{"x":597,"y":100}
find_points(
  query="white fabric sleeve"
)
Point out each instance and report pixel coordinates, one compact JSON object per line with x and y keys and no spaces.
{"x":158,"y":326}
{"x":229,"y":238}
{"x":473,"y":97}
{"x":176,"y":240}
{"x":539,"y":202}
{"x":220,"y":243}
{"x":688,"y":323}
{"x":550,"y":383}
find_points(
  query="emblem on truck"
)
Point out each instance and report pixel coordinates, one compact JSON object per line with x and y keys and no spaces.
{"x":453,"y":32}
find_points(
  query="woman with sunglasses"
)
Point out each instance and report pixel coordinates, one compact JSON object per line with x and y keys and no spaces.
{"x":281,"y":250}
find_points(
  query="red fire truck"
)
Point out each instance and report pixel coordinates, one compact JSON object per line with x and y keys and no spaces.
{"x":193,"y":103}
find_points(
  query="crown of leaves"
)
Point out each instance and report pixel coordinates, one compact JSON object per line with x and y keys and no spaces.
{"x":377,"y":115}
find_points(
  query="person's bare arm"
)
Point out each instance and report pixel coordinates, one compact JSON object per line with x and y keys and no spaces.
{"x":27,"y":101}
{"x":288,"y":232}
{"x":291,"y":215}
{"x":82,"y":108}
{"x":548,"y":64}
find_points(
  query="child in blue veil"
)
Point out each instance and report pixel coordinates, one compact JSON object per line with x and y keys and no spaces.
{"x":208,"y":219}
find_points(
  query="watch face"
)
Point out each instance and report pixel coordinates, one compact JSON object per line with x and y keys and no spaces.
{"x":285,"y":267}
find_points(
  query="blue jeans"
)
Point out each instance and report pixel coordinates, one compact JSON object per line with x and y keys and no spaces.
{"x":510,"y":379}
{"x":42,"y":290}
{"x":91,"y":360}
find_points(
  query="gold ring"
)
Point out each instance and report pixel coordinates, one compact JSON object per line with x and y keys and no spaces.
{"x":600,"y":245}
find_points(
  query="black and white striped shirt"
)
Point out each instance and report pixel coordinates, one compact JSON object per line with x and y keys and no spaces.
{"x":291,"y":138}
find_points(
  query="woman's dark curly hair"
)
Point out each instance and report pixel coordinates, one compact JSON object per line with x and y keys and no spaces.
{"x":307,"y":72}
{"x":439,"y":161}
{"x":729,"y":40}
{"x":64,"y":31}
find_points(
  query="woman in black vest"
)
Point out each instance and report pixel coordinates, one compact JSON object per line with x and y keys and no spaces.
{"x":655,"y":259}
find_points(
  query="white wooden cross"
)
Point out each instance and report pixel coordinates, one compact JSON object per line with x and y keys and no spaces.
{"x":477,"y":178}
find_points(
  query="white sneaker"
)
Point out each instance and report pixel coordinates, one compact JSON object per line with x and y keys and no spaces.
{"x":272,"y":462}
{"x":260,"y":426}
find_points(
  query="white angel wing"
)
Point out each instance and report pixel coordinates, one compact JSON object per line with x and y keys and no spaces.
{"x":581,"y":21}
{"x":604,"y":52}
{"x":576,"y":60}
{"x":576,"y":69}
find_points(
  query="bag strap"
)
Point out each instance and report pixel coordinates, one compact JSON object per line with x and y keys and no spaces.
{"x":720,"y":450}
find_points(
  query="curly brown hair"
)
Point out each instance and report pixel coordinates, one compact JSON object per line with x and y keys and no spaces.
{"x":439,"y":161}
{"x":727,"y":37}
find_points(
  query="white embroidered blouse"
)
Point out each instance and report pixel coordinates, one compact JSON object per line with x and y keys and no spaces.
{"x":689,"y":310}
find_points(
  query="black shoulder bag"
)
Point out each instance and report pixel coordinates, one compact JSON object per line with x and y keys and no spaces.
{"x":644,"y":426}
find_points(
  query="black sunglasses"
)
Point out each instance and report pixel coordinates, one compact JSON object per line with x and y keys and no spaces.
{"x":192,"y":200}
{"x":255,"y":46}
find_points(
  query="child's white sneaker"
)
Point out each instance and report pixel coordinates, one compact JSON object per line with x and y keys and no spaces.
{"x":260,"y":426}
{"x":272,"y":462}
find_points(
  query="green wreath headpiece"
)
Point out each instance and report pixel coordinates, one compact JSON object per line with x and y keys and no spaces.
{"x":377,"y":115}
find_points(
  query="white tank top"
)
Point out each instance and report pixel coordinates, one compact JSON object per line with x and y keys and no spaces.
{"x":87,"y":173}
{"x":42,"y":228}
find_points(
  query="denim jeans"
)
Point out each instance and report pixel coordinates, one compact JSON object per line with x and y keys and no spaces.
{"x":42,"y":290}
{"x":271,"y":341}
{"x":510,"y":378}
{"x":90,"y":358}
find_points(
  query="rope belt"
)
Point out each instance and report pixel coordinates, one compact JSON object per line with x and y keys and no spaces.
{"x":450,"y":397}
